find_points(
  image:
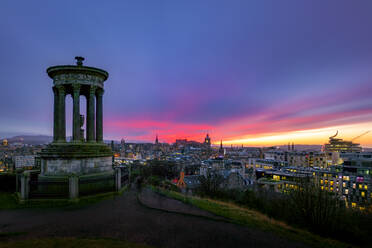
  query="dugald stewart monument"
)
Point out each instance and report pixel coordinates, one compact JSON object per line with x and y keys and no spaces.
{"x":84,"y":154}
{"x":82,"y":166}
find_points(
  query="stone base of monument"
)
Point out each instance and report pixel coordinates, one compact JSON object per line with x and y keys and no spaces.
{"x":60,"y":159}
{"x":72,"y":170}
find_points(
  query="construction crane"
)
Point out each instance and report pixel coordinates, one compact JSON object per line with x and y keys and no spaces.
{"x":357,"y":137}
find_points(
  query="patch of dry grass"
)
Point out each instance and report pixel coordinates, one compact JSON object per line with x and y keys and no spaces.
{"x":252,"y":218}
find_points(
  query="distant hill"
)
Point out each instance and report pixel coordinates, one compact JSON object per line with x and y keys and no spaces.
{"x":31,"y":139}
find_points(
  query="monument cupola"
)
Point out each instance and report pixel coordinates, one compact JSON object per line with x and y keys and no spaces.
{"x":77,"y":80}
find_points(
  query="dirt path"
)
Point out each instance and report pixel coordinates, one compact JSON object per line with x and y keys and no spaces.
{"x":154,"y":200}
{"x":125,"y":218}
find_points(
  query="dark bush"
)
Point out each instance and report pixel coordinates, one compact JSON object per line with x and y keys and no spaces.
{"x":8,"y":182}
{"x":310,"y":207}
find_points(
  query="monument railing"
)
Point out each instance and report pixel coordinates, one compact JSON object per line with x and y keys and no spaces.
{"x":124,"y":179}
{"x":39,"y":189}
{"x":95,"y":185}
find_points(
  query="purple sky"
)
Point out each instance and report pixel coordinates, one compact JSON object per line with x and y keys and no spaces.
{"x":182,"y":68}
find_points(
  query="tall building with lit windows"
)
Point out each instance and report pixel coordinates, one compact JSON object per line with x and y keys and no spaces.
{"x":207,"y":140}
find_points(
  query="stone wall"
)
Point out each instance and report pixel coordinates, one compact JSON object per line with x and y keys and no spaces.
{"x":81,"y":166}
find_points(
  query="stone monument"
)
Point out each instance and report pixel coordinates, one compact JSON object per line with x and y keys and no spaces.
{"x":82,"y":155}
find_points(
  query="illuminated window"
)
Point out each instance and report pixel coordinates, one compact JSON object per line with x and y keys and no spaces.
{"x":353,"y":204}
{"x":365,"y":187}
{"x":363,"y":194}
{"x":360,"y":186}
{"x":331,"y":182}
{"x":346,"y":191}
{"x":331,"y":188}
{"x":321,"y":181}
{"x":343,"y":184}
{"x":322,"y":187}
{"x":354,"y":186}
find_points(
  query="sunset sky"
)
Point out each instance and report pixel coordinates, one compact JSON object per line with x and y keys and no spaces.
{"x":248,"y":72}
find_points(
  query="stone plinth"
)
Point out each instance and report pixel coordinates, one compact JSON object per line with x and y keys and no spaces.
{"x":77,"y":159}
{"x":82,"y":166}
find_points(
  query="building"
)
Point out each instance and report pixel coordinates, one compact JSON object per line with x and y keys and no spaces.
{"x":301,"y":158}
{"x":207,"y":141}
{"x":340,"y":145}
{"x":24,"y":162}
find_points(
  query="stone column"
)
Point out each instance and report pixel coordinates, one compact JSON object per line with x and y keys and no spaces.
{"x":99,"y":116}
{"x":73,"y":185}
{"x":56,"y":116}
{"x":117,"y":179}
{"x":61,"y":114}
{"x":91,"y":114}
{"x":25,"y":188}
{"x":76,"y":113}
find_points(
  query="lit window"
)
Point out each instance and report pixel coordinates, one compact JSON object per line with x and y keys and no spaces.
{"x":353,"y":204}
{"x":363,"y":194}
{"x":360,"y":186}
{"x":331,"y":188}
{"x":365,"y":187}
{"x":322,"y":187}
{"x":331,"y":182}
{"x":354,"y":186}
{"x":321,"y":181}
{"x":346,"y":191}
{"x":343,"y":184}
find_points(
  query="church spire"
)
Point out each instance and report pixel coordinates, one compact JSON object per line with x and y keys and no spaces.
{"x":221,"y":150}
{"x":156,"y":140}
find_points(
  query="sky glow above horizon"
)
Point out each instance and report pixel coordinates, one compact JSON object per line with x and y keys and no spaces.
{"x":247,"y":72}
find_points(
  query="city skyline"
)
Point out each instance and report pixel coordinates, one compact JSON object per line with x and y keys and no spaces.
{"x":247,"y":73}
